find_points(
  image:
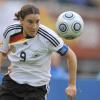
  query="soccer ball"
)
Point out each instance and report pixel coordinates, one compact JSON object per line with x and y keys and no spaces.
{"x":69,"y":25}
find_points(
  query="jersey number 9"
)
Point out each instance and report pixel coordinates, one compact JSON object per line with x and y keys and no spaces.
{"x":23,"y":56}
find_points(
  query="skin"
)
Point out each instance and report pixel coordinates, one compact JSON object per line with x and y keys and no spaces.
{"x":30,"y":24}
{"x":30,"y":27}
{"x":72,"y":69}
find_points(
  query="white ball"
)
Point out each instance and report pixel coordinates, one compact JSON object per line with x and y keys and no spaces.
{"x":69,"y":25}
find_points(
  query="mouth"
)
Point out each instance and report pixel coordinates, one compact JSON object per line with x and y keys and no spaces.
{"x":33,"y":31}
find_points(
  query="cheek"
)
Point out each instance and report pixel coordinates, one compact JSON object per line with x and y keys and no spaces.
{"x":37,"y":26}
{"x":28,"y":26}
{"x":25,"y":24}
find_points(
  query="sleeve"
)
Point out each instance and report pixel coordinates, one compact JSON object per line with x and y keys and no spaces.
{"x":53,"y":41}
{"x":62,"y":51}
{"x":57,"y":45}
{"x":4,"y":44}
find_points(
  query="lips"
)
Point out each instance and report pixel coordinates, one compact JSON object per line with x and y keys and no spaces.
{"x":33,"y":30}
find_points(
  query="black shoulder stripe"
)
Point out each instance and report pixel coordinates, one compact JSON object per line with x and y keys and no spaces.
{"x":10,"y":28}
{"x":5,"y":35}
{"x":48,"y":36}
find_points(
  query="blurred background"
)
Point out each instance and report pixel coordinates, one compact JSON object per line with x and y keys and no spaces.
{"x":86,"y":47}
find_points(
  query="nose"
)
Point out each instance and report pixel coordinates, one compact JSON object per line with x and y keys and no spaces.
{"x":34,"y":26}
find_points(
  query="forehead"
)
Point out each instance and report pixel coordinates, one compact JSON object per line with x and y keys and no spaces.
{"x":33,"y":17}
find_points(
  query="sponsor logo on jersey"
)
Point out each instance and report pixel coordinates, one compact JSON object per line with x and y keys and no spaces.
{"x":36,"y":55}
{"x":12,"y":49}
{"x":25,"y":43}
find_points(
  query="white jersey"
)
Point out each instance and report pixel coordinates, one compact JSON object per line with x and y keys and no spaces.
{"x":31,"y":59}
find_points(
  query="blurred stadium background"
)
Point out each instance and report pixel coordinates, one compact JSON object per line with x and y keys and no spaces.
{"x":87,"y":46}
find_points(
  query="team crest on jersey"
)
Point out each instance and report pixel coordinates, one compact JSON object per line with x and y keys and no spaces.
{"x":12,"y":49}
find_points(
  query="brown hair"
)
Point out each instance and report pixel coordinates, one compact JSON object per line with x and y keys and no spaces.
{"x":26,"y":10}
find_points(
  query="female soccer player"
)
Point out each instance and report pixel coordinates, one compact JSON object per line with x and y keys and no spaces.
{"x":29,"y":46}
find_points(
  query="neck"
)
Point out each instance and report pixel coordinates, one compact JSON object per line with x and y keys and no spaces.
{"x":27,"y":35}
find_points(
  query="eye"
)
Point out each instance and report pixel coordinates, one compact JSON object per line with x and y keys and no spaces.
{"x":30,"y":21}
{"x":37,"y":21}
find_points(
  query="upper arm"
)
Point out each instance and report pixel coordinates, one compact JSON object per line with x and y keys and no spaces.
{"x":70,"y":54}
{"x":4,"y":47}
{"x":10,"y":30}
{"x":3,"y":56}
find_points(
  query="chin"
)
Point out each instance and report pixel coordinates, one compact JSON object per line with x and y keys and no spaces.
{"x":33,"y":34}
